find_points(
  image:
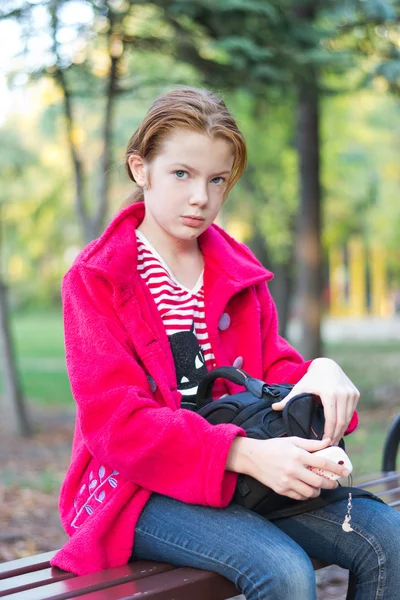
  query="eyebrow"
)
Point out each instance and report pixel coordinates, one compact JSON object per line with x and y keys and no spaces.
{"x":195,"y":170}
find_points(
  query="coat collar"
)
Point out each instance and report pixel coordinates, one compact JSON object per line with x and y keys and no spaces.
{"x":114,"y":253}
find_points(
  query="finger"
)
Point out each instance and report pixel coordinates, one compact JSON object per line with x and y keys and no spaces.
{"x":310,"y":445}
{"x":341,"y":419}
{"x":317,"y":481}
{"x":295,"y":495}
{"x":280,"y":405}
{"x":321,"y":462}
{"x":293,"y":392}
{"x":329,"y":404}
{"x":357,"y":395}
{"x":353,"y":405}
{"x":349,"y":415}
{"x":305,"y":490}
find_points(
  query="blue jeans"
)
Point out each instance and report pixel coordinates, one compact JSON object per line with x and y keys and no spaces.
{"x":270,"y":560}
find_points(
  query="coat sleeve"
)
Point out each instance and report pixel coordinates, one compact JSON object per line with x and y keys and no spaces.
{"x":281,"y":362}
{"x":173,"y":452}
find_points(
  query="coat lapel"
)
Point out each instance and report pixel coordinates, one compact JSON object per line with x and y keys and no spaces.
{"x":230,"y":267}
{"x":142,"y":321}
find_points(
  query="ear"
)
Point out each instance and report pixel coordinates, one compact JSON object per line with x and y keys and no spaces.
{"x":138,"y":169}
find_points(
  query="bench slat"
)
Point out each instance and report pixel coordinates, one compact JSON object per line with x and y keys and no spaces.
{"x":179,"y":584}
{"x":32,"y":580}
{"x":390,"y":491}
{"x":395,"y":504}
{"x":379,"y":480}
{"x":26,"y":565}
{"x":101,"y":580}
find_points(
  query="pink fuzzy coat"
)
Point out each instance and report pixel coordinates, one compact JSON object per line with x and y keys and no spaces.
{"x":131,"y":437}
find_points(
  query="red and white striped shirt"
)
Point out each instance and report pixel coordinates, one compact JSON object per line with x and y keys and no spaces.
{"x":181,"y":309}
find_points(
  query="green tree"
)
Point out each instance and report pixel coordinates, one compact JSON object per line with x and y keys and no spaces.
{"x":92,"y":70}
{"x":13,"y":405}
{"x":288,"y":46}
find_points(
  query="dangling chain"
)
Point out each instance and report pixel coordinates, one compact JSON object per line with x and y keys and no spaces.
{"x":346,"y":523}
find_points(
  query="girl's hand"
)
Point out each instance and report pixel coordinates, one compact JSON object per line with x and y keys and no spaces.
{"x":338,"y":394}
{"x":281,"y":464}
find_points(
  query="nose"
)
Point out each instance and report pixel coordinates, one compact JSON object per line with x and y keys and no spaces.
{"x":199,"y":195}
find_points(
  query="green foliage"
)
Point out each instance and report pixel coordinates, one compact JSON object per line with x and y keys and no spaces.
{"x":360,"y":175}
{"x":382,"y":10}
{"x":266,"y":197}
{"x":34,"y":219}
{"x":39,"y":347}
{"x":254,"y":51}
{"x":13,"y":155}
{"x":382,"y":359}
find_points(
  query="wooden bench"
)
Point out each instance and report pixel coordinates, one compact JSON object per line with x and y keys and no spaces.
{"x":33,"y":578}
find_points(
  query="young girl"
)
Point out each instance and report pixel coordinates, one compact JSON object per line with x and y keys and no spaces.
{"x":160,"y":298}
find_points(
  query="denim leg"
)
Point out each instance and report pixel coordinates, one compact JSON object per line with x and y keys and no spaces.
{"x":371,"y":550}
{"x":262,"y":561}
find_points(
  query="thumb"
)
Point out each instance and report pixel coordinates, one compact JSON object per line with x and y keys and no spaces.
{"x":282,"y":403}
{"x":311,"y":445}
{"x":279,"y":405}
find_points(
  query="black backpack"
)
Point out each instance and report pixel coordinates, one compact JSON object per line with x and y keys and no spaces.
{"x":303,"y":416}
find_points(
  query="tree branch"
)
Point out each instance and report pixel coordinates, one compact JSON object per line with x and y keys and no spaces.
{"x":105,"y":160}
{"x":76,"y":160}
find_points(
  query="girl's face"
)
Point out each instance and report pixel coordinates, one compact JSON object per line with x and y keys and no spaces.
{"x":184,"y":186}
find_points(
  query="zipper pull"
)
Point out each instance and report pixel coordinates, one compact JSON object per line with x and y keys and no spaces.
{"x":271,"y":391}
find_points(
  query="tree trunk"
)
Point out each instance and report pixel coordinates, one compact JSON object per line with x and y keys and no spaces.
{"x":14,"y":408}
{"x":91,"y":225}
{"x":81,"y":212}
{"x":308,"y":239}
{"x":105,"y":162}
{"x":281,"y":286}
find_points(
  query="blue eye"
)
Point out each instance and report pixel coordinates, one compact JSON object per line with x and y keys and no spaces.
{"x":222,"y":180}
{"x":180,"y":174}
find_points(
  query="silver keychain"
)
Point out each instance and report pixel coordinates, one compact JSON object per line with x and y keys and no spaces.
{"x":346,"y":523}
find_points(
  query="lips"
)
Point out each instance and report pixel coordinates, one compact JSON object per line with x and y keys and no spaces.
{"x":192,"y":221}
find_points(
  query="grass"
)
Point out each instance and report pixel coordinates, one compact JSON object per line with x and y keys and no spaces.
{"x":40,"y":352}
{"x":372,"y":366}
{"x":38,"y":335}
{"x":47,"y":481}
{"x":45,"y":387}
{"x":365,"y":445}
{"x":39,"y":349}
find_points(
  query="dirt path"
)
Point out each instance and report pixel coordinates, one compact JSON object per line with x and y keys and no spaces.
{"x":31,"y":471}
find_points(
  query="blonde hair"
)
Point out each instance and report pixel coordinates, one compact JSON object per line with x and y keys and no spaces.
{"x":186,"y":108}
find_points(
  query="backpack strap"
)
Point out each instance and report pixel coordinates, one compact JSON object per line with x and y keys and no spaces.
{"x":238,"y":376}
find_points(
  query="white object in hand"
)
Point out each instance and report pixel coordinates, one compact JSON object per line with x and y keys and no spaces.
{"x":338,"y":456}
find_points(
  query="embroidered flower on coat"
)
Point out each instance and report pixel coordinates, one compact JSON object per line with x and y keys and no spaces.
{"x":93,"y":493}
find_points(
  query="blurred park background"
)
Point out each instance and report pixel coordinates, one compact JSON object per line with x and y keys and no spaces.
{"x":315,"y":88}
